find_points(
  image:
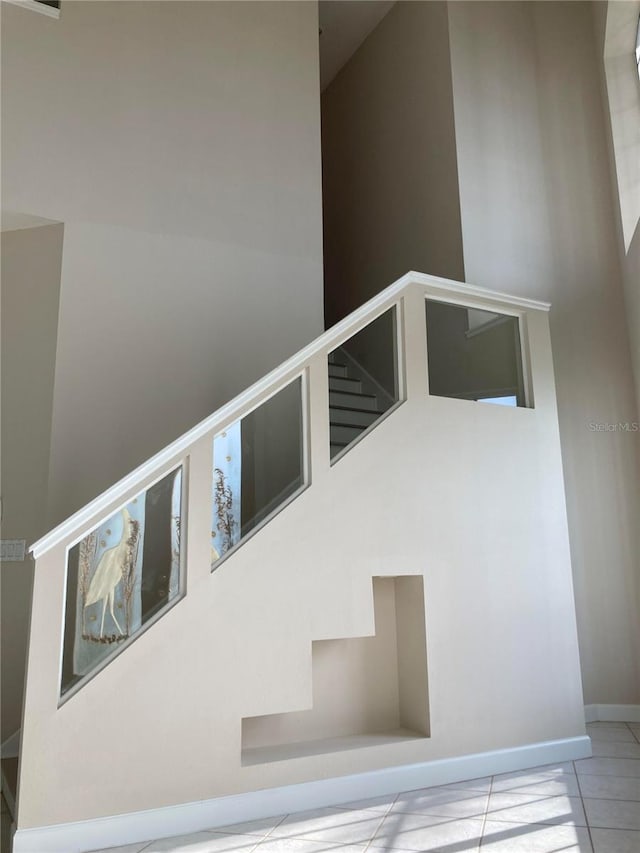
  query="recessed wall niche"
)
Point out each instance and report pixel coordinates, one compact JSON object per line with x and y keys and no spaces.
{"x":367,"y":691}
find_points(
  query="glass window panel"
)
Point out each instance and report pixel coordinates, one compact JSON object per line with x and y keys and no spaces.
{"x":121,"y":575}
{"x":258,"y":464}
{"x":363,"y":381}
{"x":474,"y":354}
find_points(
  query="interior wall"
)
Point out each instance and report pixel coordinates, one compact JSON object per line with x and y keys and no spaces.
{"x":528,"y":166}
{"x":180,"y":144}
{"x":538,"y":220}
{"x":389,"y":161}
{"x":31,"y":259}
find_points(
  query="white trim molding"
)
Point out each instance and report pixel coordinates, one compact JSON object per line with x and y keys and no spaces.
{"x":33,"y":6}
{"x":137,"y":827}
{"x":432,"y":286}
{"x":612,"y":713}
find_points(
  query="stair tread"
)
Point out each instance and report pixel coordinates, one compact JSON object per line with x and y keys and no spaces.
{"x":354,"y":394}
{"x":356,"y":409}
{"x":361,"y":427}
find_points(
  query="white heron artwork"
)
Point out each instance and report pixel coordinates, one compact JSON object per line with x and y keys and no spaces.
{"x":109,"y":572}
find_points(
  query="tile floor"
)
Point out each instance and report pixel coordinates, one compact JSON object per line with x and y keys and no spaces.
{"x":587,"y":806}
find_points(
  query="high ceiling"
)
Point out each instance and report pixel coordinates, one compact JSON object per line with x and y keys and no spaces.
{"x":345,"y":24}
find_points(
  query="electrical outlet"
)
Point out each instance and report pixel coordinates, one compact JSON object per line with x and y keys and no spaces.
{"x":12,"y":550}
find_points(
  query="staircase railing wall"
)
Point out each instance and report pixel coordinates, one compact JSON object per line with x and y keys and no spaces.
{"x":216,"y":696}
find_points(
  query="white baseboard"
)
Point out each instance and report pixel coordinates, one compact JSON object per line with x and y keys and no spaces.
{"x":190,"y":817}
{"x":11,"y":746}
{"x":612,"y":713}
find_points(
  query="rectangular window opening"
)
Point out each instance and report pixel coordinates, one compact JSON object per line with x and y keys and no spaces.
{"x":474,"y":354}
{"x":258,"y":467}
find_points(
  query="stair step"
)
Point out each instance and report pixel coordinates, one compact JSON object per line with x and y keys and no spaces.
{"x":345,"y":433}
{"x":353,"y":400}
{"x":345,"y":383}
{"x":337,"y":371}
{"x":356,"y":417}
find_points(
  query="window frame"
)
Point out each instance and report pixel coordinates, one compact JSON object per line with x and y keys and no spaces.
{"x":522,"y":349}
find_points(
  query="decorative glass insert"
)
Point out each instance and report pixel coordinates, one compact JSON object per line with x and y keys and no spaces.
{"x":258,"y":466}
{"x":363,"y":381}
{"x":474,"y":354}
{"x":120,"y":576}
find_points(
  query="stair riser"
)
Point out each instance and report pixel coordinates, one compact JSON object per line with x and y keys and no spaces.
{"x":355,"y":400}
{"x":345,"y":433}
{"x":349,"y":416}
{"x":339,"y":383}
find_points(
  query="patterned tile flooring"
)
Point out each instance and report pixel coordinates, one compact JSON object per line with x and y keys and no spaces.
{"x":586,"y":806}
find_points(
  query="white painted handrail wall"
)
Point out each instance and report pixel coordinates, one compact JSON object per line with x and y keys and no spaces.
{"x":467,"y":498}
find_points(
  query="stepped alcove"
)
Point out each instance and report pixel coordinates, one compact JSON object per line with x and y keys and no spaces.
{"x":367,"y":691}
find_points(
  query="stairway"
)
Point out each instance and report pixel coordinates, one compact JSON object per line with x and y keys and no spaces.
{"x":351,"y":409}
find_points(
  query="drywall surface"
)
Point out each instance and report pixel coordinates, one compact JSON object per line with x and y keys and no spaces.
{"x":180,"y":144}
{"x":469,"y":497}
{"x":31,"y":259}
{"x":389,"y":160}
{"x":538,"y":220}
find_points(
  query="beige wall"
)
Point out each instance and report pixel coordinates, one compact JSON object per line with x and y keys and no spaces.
{"x":31,"y":259}
{"x":538,"y":219}
{"x":180,"y":144}
{"x":389,"y":162}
